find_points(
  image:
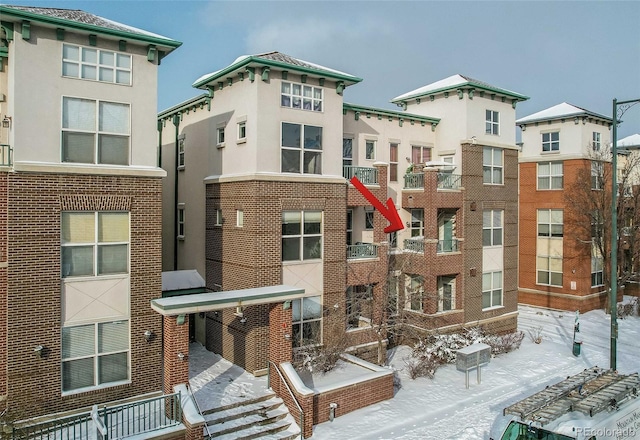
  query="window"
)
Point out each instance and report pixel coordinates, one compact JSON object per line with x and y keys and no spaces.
{"x":491,"y":289}
{"x":393,"y":239}
{"x":492,"y":165}
{"x":349,"y":227}
{"x":242,"y":131}
{"x":595,"y":141}
{"x":368,"y":219}
{"x":301,"y":235}
{"x":420,"y":155}
{"x":392,"y":297}
{"x":492,"y":227}
{"x":181,"y":221}
{"x":550,"y":223}
{"x":597,"y":172}
{"x":347,"y":152}
{"x":220,"y":136}
{"x":550,"y":175}
{"x":95,"y":355}
{"x":393,"y":162}
{"x":96,"y":64}
{"x":414,"y":291}
{"x":551,"y":141}
{"x":492,"y":125}
{"x":239,"y":218}
{"x":181,"y":152}
{"x":417,"y":222}
{"x":446,"y":294}
{"x":301,"y":149}
{"x":301,"y":96}
{"x":94,"y":243}
{"x":597,"y":225}
{"x":597,"y":267}
{"x":95,"y":131}
{"x":549,"y":270}
{"x":218,"y":217}
{"x":370,"y":150}
{"x":306,"y":321}
{"x":359,"y":307}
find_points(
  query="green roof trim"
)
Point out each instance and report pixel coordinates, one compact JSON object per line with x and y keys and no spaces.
{"x":7,"y":11}
{"x":457,"y":88}
{"x":257,"y":60}
{"x":389,"y":113}
{"x":188,"y":105}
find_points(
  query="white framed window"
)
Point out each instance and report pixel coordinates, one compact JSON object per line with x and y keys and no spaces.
{"x":301,"y":149}
{"x":301,"y":96}
{"x":550,"y":175}
{"x":359,"y":306}
{"x":446,"y":293}
{"x":96,"y":64}
{"x":301,"y":235}
{"x":306,"y":321}
{"x":417,"y":222}
{"x":369,"y":219}
{"x":595,"y":141}
{"x":492,"y":227}
{"x":95,"y":132}
{"x":551,"y":141}
{"x":420,"y":155}
{"x":492,"y":124}
{"x":370,"y":150}
{"x":220,"y":136}
{"x":347,"y":153}
{"x":549,"y":270}
{"x":181,"y":152}
{"x":597,"y":267}
{"x":218,"y":218}
{"x":349,"y":227}
{"x":95,"y":355}
{"x":491,"y":289}
{"x":393,"y":162}
{"x":239,"y":218}
{"x":242,"y":131}
{"x":492,"y":166}
{"x":94,"y":243}
{"x":414,"y":292}
{"x":181,"y":221}
{"x":551,"y":223}
{"x":597,"y":175}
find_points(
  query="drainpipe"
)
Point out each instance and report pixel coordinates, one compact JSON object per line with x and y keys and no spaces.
{"x":160,"y":124}
{"x":176,"y":122}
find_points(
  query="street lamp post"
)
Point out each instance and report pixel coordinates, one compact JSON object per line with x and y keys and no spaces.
{"x":619,"y":108}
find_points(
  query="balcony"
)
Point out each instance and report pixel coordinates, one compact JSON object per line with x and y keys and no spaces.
{"x":362,"y":250}
{"x":5,"y":155}
{"x":449,"y":181}
{"x":415,"y":244}
{"x":413,"y":180}
{"x":368,"y":176}
{"x":446,"y":246}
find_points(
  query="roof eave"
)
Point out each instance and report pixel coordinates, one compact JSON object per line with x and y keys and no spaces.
{"x":164,"y":43}
{"x":361,"y":108}
{"x":465,"y":85}
{"x":567,"y":116}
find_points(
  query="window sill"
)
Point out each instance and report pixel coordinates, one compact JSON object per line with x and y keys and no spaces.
{"x":180,"y":237}
{"x":550,"y":152}
{"x":242,"y":141}
{"x":87,"y":390}
{"x":180,"y":167}
{"x":294,"y":262}
{"x":492,"y":308}
{"x":219,"y":146}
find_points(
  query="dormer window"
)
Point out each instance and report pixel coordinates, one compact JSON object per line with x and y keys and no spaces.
{"x":301,"y":96}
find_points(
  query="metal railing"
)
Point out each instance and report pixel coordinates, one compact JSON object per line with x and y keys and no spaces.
{"x":113,"y":422}
{"x":449,"y":181}
{"x":5,"y":155}
{"x":293,"y":397}
{"x":366,"y":175}
{"x":414,"y":180}
{"x":362,"y":250}
{"x":445,"y":246}
{"x":195,"y":402}
{"x":414,"y":245}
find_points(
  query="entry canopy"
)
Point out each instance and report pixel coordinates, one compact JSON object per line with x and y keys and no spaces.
{"x":211,"y":301}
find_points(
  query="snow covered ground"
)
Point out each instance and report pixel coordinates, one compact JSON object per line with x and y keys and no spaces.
{"x":442,"y":408}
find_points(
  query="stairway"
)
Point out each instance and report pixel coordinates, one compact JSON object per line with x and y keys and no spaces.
{"x":265,"y":417}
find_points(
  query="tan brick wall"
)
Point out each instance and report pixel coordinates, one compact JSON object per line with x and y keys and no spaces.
{"x":34,"y":307}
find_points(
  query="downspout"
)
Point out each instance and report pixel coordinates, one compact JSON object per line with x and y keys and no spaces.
{"x":176,"y":122}
{"x":160,"y":124}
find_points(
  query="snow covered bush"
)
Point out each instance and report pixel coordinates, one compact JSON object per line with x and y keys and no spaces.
{"x":629,"y":308}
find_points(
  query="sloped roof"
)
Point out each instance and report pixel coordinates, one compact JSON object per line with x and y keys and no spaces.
{"x":81,"y":20}
{"x":563,"y":110}
{"x":181,"y":280}
{"x":279,"y":60}
{"x":629,"y":141}
{"x":455,"y":82}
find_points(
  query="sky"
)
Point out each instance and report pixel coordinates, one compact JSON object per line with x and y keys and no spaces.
{"x":583,"y":52}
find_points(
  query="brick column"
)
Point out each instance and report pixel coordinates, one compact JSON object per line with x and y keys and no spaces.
{"x":175,"y":341}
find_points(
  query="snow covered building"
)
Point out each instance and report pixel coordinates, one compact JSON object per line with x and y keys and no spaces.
{"x":80,"y":215}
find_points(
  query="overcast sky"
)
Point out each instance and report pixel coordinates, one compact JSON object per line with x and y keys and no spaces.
{"x":582,"y":52}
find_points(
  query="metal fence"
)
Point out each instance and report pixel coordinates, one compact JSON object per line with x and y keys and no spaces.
{"x":366,"y":175}
{"x":362,"y":250}
{"x":449,"y":181}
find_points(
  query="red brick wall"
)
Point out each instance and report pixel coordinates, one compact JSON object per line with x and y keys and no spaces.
{"x":175,"y":341}
{"x":34,"y":308}
{"x":3,"y":287}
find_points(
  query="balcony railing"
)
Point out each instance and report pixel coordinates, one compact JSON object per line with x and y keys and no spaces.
{"x":5,"y":155}
{"x":120,"y":421}
{"x":414,"y":245}
{"x":368,"y":176}
{"x":445,"y":246}
{"x":414,"y":180}
{"x":362,"y":250}
{"x":449,"y":181}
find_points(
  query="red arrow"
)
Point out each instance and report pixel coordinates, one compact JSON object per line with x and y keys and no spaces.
{"x":389,"y":212}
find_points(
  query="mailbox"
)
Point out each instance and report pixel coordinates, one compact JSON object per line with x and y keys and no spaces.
{"x":474,"y":356}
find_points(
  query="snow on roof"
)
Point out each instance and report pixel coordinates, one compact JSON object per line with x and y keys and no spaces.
{"x":559,"y":111}
{"x":453,"y":82}
{"x":181,"y":279}
{"x":629,"y":141}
